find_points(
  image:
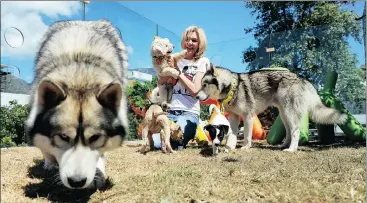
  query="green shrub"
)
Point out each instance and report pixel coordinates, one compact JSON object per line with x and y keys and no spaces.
{"x":12,"y":120}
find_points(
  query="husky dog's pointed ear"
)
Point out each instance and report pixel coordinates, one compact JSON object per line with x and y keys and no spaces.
{"x":211,"y":69}
{"x":50,"y":94}
{"x":110,"y":96}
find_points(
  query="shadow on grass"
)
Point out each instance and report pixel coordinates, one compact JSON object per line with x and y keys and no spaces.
{"x":339,"y":143}
{"x":52,"y":189}
{"x":316,"y":145}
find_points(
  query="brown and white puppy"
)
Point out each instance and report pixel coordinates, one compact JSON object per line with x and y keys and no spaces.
{"x":78,"y":104}
{"x":156,"y":121}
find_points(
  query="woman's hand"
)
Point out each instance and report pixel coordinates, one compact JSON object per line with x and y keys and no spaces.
{"x":172,"y":62}
{"x":166,"y":80}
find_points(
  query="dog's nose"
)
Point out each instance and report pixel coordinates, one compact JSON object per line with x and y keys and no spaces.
{"x":216,"y":144}
{"x":77,"y":182}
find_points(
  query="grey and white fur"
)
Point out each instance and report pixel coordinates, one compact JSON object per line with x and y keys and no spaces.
{"x":78,"y":108}
{"x":254,"y":92}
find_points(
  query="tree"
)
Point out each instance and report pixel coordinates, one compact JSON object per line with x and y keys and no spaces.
{"x":12,"y":120}
{"x":351,"y":88}
{"x":310,"y":38}
{"x":136,"y":95}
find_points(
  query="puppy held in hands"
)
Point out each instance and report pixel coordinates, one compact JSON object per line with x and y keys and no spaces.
{"x":160,"y":51}
{"x":156,"y":121}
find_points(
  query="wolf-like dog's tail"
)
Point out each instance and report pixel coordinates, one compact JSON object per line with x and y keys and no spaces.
{"x":322,"y":114}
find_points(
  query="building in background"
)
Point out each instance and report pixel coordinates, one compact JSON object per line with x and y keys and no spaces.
{"x":139,"y":76}
{"x":14,"y":88}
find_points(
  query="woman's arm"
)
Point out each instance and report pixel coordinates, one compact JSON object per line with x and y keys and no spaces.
{"x":192,"y":86}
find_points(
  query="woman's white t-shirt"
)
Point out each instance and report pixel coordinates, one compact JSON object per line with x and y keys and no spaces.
{"x":181,"y":98}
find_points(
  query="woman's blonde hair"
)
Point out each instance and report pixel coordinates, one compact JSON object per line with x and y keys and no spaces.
{"x":202,"y":40}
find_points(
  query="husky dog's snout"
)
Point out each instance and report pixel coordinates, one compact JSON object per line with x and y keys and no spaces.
{"x":76,"y":173}
{"x":77,"y":182}
{"x":201,"y":96}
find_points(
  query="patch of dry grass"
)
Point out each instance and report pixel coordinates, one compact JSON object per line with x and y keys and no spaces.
{"x":261,"y":174}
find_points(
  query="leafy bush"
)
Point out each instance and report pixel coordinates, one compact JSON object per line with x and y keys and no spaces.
{"x":12,"y":120}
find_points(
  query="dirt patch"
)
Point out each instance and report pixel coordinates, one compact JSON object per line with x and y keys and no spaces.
{"x":261,"y":174}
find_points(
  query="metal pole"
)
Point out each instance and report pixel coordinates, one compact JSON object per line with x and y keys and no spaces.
{"x":364,"y":21}
{"x":84,"y":2}
{"x":156,"y":29}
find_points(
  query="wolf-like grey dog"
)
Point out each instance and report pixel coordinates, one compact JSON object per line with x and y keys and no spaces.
{"x":244,"y":94}
{"x":78,"y":104}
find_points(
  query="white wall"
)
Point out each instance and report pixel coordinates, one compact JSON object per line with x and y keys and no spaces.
{"x":6,"y":97}
{"x":139,"y":76}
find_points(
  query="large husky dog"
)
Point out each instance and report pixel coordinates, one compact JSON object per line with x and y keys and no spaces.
{"x":244,"y":94}
{"x":161,"y":49}
{"x":78,"y":105}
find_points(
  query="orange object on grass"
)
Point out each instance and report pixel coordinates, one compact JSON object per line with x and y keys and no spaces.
{"x":258,"y":132}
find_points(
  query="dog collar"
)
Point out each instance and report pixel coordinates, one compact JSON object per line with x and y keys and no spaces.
{"x":231,"y":92}
{"x":229,"y":95}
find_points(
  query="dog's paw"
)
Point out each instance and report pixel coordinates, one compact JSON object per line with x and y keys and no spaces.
{"x":284,"y":146}
{"x":246,"y":147}
{"x":99,"y":181}
{"x":165,"y":106}
{"x":164,"y":150}
{"x":48,"y":165}
{"x":144,"y":149}
{"x":215,"y":152}
{"x":289,"y":150}
{"x":173,"y":151}
{"x":183,"y":52}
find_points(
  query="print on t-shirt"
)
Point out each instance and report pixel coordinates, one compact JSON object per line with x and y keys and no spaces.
{"x":189,"y":72}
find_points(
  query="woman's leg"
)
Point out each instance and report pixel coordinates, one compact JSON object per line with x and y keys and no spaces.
{"x":189,"y":123}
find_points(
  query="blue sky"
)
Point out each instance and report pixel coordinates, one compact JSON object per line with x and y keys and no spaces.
{"x":223,"y":23}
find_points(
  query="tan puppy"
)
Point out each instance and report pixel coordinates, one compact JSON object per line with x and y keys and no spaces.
{"x":156,"y":121}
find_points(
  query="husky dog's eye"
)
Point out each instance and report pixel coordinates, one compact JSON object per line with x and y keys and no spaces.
{"x":204,"y":85}
{"x":64,"y":137}
{"x":94,"y":138}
